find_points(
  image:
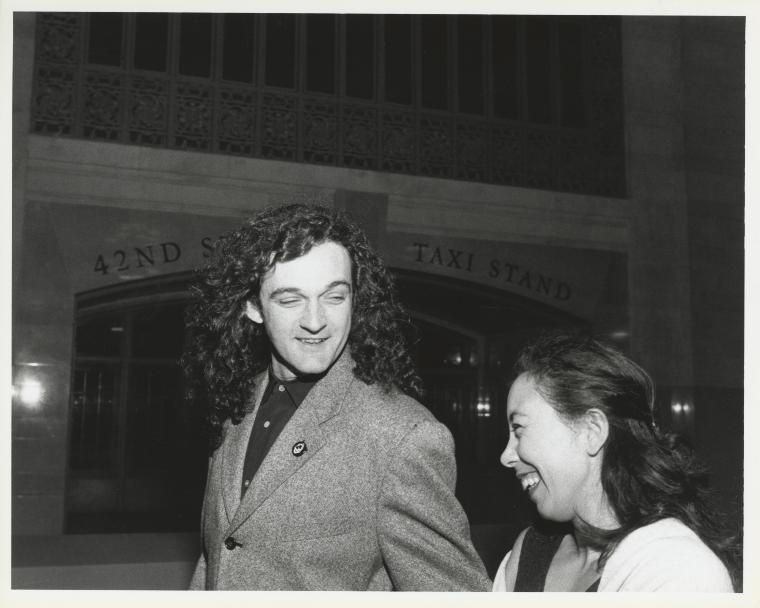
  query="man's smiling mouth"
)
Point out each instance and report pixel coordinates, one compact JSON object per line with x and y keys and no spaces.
{"x":311,"y":340}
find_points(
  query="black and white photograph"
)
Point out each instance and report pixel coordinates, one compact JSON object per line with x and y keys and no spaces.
{"x":374,"y":297}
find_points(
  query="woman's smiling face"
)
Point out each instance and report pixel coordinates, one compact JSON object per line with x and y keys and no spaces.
{"x":547,"y":454}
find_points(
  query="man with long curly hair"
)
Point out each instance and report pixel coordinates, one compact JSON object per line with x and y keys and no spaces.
{"x":325,"y":472}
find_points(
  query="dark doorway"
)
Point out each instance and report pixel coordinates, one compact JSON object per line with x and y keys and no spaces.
{"x":468,"y":337}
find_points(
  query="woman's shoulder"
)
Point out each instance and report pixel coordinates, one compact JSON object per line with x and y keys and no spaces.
{"x":664,"y":556}
{"x":669,"y":534}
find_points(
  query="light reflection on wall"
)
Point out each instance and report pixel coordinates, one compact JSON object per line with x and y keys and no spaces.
{"x":483,"y":406}
{"x":27,"y":389}
{"x":461,"y":356}
{"x":458,"y":356}
{"x":682,"y":411}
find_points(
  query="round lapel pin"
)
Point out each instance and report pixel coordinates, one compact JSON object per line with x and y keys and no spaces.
{"x":299,"y":448}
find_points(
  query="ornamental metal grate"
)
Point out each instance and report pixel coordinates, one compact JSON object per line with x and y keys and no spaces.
{"x":545,"y":116}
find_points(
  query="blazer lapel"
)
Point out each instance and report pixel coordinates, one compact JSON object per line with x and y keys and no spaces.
{"x":234,"y":450}
{"x":286,"y":457}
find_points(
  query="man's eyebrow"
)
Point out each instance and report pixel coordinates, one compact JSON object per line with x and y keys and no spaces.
{"x":285,"y":290}
{"x":339,"y":283}
{"x":297,"y":292}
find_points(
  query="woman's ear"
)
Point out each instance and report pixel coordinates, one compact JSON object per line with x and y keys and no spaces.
{"x":596,"y":430}
{"x":252,"y":312}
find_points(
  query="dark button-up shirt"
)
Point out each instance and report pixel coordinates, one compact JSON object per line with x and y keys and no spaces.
{"x":278,"y":404}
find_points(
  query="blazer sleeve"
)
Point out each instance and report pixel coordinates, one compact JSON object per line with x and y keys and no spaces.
{"x":198,"y":581}
{"x":423,"y":532}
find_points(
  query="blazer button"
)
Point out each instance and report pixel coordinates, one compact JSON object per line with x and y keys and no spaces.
{"x":231,"y":543}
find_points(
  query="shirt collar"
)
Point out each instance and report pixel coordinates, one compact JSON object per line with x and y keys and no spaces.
{"x":297,"y":389}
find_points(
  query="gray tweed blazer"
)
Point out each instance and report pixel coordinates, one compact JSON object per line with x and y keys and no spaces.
{"x":366,"y":504}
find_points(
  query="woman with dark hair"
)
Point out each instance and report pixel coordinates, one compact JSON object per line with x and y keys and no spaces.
{"x":623,"y":505}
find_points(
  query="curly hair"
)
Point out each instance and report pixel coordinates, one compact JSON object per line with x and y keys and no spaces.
{"x":226,"y":350}
{"x":647,"y":475}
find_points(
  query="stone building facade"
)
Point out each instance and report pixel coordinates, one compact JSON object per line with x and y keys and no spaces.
{"x":631,"y":224}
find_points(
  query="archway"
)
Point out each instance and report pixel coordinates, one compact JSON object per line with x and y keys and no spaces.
{"x":468,"y":338}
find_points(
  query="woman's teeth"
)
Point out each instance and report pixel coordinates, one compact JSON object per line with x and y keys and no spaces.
{"x":529,"y":481}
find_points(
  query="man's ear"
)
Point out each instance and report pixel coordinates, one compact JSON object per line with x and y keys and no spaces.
{"x":252,"y":312}
{"x":596,"y":429}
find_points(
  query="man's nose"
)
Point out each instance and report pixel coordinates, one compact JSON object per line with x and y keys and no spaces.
{"x":313,"y":318}
{"x":509,"y":455}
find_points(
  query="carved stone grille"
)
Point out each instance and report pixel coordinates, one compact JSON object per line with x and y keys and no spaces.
{"x":192,"y":129}
{"x":436,"y":146}
{"x":147,"y":120}
{"x":359,"y":136}
{"x":77,"y":99}
{"x":236,"y":121}
{"x":507,"y":156}
{"x":472,"y":152}
{"x":279,"y":129}
{"x":54,"y":101}
{"x":320,"y":132}
{"x":102,"y":105}
{"x":399,"y":150}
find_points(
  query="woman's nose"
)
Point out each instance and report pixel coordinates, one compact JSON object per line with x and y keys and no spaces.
{"x":509,"y":455}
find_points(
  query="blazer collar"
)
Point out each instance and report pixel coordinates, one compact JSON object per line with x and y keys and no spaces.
{"x":234,"y":448}
{"x":324,"y":401}
{"x":326,"y":397}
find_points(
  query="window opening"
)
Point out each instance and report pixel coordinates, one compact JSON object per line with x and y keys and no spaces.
{"x":151,"y":41}
{"x":137,"y":451}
